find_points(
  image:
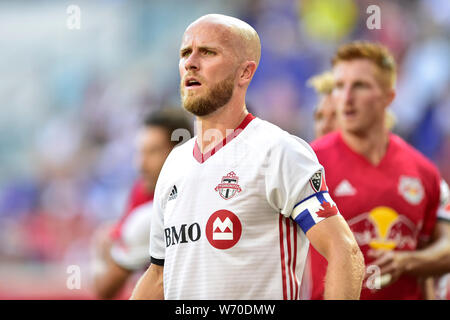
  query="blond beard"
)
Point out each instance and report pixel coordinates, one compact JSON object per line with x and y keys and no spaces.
{"x":215,"y":98}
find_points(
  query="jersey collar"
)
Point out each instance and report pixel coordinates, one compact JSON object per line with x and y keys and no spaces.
{"x":202,"y":157}
{"x":387,"y":155}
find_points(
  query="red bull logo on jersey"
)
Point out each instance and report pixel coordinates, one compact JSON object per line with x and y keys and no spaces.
{"x":411,"y":189}
{"x":223,"y":229}
{"x":229,"y":186}
{"x":383,"y":228}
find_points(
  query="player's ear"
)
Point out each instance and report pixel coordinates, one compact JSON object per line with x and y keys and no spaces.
{"x":390,"y":96}
{"x":246,"y":73}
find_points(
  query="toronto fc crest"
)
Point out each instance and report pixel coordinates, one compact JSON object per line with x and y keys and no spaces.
{"x":229,"y":187}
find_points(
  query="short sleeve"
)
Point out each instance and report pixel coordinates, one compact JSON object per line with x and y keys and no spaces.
{"x":130,"y":249}
{"x":157,"y":242}
{"x":295,"y":184}
{"x":433,"y":205}
{"x":137,"y":197}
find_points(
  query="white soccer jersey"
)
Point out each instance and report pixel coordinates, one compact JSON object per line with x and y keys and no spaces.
{"x":130,"y":250}
{"x":223,"y":221}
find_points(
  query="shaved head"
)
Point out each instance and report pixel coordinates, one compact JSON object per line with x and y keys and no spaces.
{"x":218,"y":58}
{"x":239,"y":35}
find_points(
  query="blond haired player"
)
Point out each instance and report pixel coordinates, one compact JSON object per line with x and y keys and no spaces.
{"x":237,"y":205}
{"x":325,"y":110}
{"x":387,"y":191}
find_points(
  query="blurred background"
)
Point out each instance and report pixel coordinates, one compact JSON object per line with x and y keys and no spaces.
{"x":71,"y":101}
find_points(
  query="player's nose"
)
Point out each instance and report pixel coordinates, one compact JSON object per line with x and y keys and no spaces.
{"x":347,"y":96}
{"x":192,"y":62}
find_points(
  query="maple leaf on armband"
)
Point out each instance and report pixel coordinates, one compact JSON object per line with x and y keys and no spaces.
{"x":327,"y":210}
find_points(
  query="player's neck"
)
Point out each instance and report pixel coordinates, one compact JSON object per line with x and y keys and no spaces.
{"x":213,"y":128}
{"x":372,"y":144}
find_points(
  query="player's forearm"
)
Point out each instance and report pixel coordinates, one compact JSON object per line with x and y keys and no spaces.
{"x":433,"y":260}
{"x":102,"y":267}
{"x":345,"y":274}
{"x":108,"y":283}
{"x":150,"y":285}
{"x":427,"y":287}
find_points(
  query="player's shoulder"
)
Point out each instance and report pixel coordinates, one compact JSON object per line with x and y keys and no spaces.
{"x":139,"y":194}
{"x":181,"y":151}
{"x":412,"y":155}
{"x":272,"y":139}
{"x":176,"y":161}
{"x":138,"y":188}
{"x":326,"y":142}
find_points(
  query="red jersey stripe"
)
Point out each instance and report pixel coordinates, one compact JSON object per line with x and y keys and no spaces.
{"x":283,"y":267}
{"x":295,"y":260}
{"x":288,"y":240}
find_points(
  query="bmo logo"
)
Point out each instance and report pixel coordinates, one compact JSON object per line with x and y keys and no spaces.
{"x":223,"y":229}
{"x":184,"y":235}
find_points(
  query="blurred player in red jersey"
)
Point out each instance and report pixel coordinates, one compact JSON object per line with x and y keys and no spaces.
{"x":325,"y":111}
{"x":325,"y":122}
{"x":122,"y":248}
{"x":387,"y":191}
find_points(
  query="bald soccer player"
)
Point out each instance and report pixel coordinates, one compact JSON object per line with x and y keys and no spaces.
{"x":237,"y":206}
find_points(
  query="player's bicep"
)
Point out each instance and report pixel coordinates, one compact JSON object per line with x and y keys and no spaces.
{"x":150,"y":285}
{"x":441,"y":231}
{"x":333,"y":232}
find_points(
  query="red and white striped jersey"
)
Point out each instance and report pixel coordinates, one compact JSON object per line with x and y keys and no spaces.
{"x":223,"y":222}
